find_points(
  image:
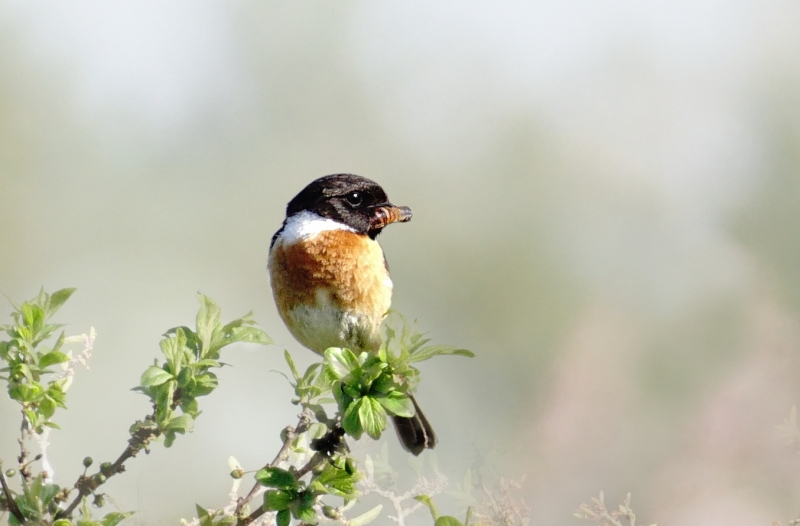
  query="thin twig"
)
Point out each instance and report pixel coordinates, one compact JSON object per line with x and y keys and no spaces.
{"x":252,"y":517}
{"x":24,"y":470}
{"x":86,"y":485}
{"x":311,"y":464}
{"x":303,"y":422}
{"x":12,"y":506}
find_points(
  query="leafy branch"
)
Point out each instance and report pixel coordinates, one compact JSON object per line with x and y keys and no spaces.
{"x":312,"y":466}
{"x":366,"y":388}
{"x":172,"y":386}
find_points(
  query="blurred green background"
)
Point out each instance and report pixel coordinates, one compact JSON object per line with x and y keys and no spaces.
{"x":606,"y":208}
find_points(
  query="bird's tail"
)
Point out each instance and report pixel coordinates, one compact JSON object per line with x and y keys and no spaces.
{"x":415,"y":433}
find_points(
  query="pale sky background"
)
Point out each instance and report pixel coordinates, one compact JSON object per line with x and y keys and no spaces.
{"x":604,"y":202}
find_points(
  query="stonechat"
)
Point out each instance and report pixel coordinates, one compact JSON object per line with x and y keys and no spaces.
{"x":329,"y":275}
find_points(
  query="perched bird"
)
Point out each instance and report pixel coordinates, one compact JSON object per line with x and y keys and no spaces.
{"x":329,"y":275}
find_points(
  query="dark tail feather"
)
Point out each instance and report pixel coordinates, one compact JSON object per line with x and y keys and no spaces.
{"x":415,"y":433}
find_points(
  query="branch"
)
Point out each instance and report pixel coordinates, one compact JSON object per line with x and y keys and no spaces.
{"x":311,"y":464}
{"x":86,"y":485}
{"x":291,"y":434}
{"x":12,"y":506}
{"x":24,"y":470}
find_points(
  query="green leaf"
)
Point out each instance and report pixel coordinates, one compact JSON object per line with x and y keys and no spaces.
{"x":114,"y":518}
{"x":205,"y":363}
{"x":336,"y":479}
{"x":185,"y":375}
{"x":169,"y":348}
{"x":308,"y":377}
{"x":164,"y":395}
{"x":278,"y":499}
{"x":191,"y":337}
{"x":23,"y":334}
{"x":57,"y":299}
{"x":290,"y":361}
{"x":56,"y":392}
{"x":47,"y":407}
{"x":426,"y":500}
{"x":384,"y":384}
{"x":342,"y":362}
{"x":371,"y":372}
{"x":208,"y":319}
{"x":25,"y":371}
{"x":204,"y":384}
{"x":283,"y":518}
{"x":305,"y":514}
{"x":247,"y":334}
{"x":447,"y":520}
{"x":430,"y":351}
{"x":415,"y":343}
{"x":32,"y":316}
{"x":27,"y":392}
{"x":383,"y":354}
{"x":180,"y":353}
{"x":169,"y":438}
{"x":52,"y":358}
{"x":48,"y":492}
{"x":30,"y":415}
{"x":342,"y":399}
{"x":396,"y":403}
{"x":26,"y":510}
{"x":155,"y":376}
{"x":352,"y":389}
{"x":372,"y":417}
{"x":180,"y":424}
{"x":276,"y":478}
{"x":351,"y":423}
{"x":367,"y":517}
{"x":190,"y":405}
{"x":34,"y":490}
{"x":5,"y":351}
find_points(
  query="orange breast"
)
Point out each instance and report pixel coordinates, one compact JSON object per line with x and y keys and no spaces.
{"x":330,"y":288}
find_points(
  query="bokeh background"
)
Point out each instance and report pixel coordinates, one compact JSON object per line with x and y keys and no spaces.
{"x":606,"y":204}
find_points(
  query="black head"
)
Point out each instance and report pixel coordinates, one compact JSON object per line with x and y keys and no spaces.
{"x":353,"y":200}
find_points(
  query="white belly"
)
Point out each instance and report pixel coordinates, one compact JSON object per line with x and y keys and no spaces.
{"x":324,"y":325}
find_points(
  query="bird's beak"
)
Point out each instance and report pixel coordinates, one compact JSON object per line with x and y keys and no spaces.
{"x":387,"y":214}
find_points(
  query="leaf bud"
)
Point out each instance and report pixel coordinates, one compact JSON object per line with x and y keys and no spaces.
{"x":87,"y":462}
{"x":99,"y":479}
{"x":237,"y":473}
{"x":106,"y":468}
{"x":331,"y":512}
{"x":99,"y":500}
{"x":10,"y":473}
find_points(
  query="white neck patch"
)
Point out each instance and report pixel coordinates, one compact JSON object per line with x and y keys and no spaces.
{"x":307,"y":225}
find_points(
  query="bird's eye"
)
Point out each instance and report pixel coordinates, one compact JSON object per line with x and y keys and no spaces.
{"x":354,"y":198}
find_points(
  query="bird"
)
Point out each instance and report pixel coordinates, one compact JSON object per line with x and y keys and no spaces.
{"x":330,"y":279}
